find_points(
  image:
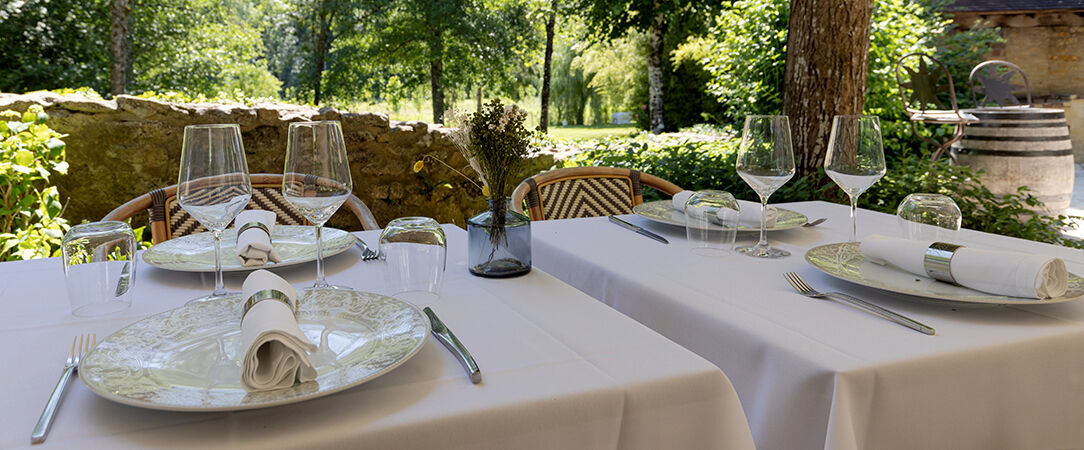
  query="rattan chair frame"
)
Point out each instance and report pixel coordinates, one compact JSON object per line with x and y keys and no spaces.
{"x":154,"y":203}
{"x":530,"y":187}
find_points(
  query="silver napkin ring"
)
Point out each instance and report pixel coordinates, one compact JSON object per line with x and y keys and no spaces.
{"x":251,"y":225}
{"x":267,"y":294}
{"x":938,"y":261}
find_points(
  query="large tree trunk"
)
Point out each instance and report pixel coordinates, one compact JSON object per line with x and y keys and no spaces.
{"x":547,"y":67}
{"x":654,"y":70}
{"x":436,"y":72}
{"x":827,"y":55}
{"x":118,"y":47}
{"x":318,"y":66}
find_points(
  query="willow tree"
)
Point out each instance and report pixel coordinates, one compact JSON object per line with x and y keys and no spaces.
{"x":611,"y":19}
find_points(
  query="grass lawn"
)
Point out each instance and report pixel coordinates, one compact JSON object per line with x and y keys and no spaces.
{"x":591,"y":131}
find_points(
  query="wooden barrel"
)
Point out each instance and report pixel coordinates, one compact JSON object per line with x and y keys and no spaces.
{"x":1021,"y":147}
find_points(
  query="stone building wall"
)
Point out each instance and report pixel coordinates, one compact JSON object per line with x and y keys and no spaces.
{"x":122,"y":148}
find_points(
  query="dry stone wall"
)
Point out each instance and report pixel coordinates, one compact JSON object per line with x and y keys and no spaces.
{"x":122,"y":148}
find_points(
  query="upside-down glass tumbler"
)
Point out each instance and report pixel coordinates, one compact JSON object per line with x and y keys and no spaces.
{"x":99,"y":267}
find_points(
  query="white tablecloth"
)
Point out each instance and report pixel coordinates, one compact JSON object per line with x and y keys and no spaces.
{"x":560,"y":370}
{"x":816,"y":373}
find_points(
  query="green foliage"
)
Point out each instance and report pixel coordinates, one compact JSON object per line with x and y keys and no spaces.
{"x":30,"y":153}
{"x":54,"y":43}
{"x":710,"y":165}
{"x":746,"y":55}
{"x":198,"y":47}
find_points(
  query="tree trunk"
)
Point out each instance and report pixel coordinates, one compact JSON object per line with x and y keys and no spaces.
{"x":436,"y":71}
{"x":318,"y":66}
{"x":118,"y":47}
{"x":478,"y":98}
{"x":654,"y":70}
{"x":547,"y":67}
{"x":827,"y":60}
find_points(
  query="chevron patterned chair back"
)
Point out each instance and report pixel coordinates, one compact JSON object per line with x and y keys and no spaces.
{"x":585,"y":192}
{"x":169,"y":220}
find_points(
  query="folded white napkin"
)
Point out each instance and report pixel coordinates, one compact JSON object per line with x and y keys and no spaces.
{"x":750,"y":211}
{"x":254,"y":246}
{"x":996,"y":272}
{"x":275,"y":348}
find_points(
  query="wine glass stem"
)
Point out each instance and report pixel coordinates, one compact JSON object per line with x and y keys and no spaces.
{"x":320,"y":282}
{"x":220,"y":285}
{"x":763,"y":222}
{"x":854,"y":218}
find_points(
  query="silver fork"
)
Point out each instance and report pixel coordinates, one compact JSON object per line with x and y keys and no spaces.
{"x":808,"y":291}
{"x":367,"y":254}
{"x":85,"y":343}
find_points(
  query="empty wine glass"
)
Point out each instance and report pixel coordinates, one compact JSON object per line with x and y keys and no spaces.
{"x":855,"y":159}
{"x":213,"y":184}
{"x":765,"y":162}
{"x":316,"y":179}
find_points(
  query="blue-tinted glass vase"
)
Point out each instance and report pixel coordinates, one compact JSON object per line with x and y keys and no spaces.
{"x":499,"y":242}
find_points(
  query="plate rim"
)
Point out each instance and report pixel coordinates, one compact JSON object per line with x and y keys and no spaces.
{"x":637,"y":210}
{"x":282,"y":402}
{"x":935,"y":296}
{"x":225,"y":269}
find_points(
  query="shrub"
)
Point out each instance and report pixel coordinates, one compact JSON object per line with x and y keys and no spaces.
{"x":30,"y":153}
{"x":710,"y":165}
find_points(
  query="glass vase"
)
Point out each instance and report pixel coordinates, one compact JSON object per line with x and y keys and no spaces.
{"x":499,"y":241}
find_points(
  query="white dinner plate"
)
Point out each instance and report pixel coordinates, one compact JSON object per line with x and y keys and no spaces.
{"x":663,"y":211}
{"x":196,"y":252}
{"x":844,"y":261}
{"x":189,"y":358}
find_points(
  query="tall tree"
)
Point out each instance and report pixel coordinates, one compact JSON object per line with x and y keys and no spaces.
{"x":442,"y":45}
{"x":611,"y":19}
{"x":825,"y":75}
{"x":547,"y":69}
{"x":118,"y":47}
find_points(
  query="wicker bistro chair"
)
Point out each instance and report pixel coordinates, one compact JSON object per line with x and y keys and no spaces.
{"x":927,"y":89}
{"x":168,"y":220}
{"x":996,"y":83}
{"x":585,"y":192}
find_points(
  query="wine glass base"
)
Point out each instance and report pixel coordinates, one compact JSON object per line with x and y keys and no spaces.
{"x":763,"y":252}
{"x":328,"y":287}
{"x":213,"y":297}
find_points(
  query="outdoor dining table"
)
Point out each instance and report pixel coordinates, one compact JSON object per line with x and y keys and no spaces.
{"x":560,"y":370}
{"x":815,"y":373}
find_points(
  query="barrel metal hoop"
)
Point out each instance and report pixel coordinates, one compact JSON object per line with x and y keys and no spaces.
{"x":1025,"y":154}
{"x":972,"y":137}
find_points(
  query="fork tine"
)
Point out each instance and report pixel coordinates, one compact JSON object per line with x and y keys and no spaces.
{"x":71,"y":355}
{"x":800,"y":281}
{"x":790,"y":279}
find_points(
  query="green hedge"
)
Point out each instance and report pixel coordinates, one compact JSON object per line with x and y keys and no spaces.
{"x":710,"y":165}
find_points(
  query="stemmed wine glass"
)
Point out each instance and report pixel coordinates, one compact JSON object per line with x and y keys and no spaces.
{"x":765,"y":162}
{"x":855,"y":159}
{"x":316,"y":179}
{"x":213,"y":185}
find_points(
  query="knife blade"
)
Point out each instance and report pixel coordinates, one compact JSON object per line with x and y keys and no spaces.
{"x":638,"y":230}
{"x":446,"y":337}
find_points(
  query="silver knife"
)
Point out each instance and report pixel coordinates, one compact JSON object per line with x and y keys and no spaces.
{"x":639,"y":230}
{"x":446,"y":337}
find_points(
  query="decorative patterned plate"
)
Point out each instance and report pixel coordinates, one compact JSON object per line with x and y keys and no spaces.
{"x":189,"y":358}
{"x":663,"y":211}
{"x":844,"y":261}
{"x":196,"y":252}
